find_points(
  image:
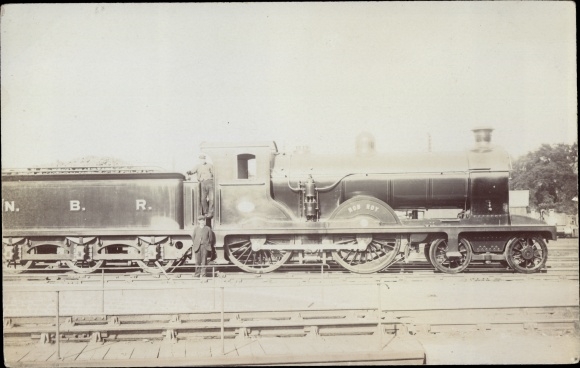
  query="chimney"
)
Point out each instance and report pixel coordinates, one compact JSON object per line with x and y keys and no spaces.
{"x":365,"y":144}
{"x":482,"y":137}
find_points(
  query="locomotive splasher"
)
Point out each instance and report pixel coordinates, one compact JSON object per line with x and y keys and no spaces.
{"x":273,"y":208}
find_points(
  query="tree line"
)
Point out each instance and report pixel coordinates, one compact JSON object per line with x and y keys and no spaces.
{"x":550,"y":173}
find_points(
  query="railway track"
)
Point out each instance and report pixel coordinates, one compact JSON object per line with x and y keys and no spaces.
{"x":562,"y":264}
{"x":298,"y":276}
{"x":288,"y":323}
{"x":104,"y":307}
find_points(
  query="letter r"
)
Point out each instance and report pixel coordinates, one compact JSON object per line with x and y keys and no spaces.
{"x":140,"y":204}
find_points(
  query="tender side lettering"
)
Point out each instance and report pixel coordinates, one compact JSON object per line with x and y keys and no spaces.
{"x":9,"y":206}
{"x":141,"y":204}
{"x":76,"y":205}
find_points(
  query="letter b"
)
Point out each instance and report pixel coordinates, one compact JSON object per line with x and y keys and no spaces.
{"x":75,"y":205}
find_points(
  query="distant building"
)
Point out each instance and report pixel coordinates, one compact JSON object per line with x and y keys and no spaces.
{"x":566,"y":225}
{"x":520,"y":202}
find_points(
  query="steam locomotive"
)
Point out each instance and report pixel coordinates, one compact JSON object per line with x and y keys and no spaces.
{"x":273,"y":208}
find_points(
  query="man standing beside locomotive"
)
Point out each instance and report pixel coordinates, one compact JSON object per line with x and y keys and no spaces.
{"x":204,"y":173}
{"x":202,"y":240}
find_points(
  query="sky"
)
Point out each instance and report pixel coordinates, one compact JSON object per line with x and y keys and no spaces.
{"x":147,"y":83}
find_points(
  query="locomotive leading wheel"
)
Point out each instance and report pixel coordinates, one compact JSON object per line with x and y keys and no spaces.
{"x":438,"y":257}
{"x":379,"y":253}
{"x":265,"y":260}
{"x":526,"y":255}
{"x":427,"y":251}
{"x":83,"y":266}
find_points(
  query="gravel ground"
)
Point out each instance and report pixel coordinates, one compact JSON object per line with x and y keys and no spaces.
{"x":195,"y":296}
{"x":500,"y":348}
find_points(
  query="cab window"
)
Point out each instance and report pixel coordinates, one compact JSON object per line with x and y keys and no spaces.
{"x":246,"y":166}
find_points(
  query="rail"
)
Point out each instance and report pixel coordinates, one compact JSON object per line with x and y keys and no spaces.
{"x":380,"y":316}
{"x":561,"y":264}
{"x":170,"y":330}
{"x":158,"y":270}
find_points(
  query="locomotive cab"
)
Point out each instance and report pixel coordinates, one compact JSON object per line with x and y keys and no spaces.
{"x":242,"y":184}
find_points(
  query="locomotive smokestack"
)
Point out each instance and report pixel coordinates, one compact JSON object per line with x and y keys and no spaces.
{"x":482,"y":137}
{"x":365,"y":144}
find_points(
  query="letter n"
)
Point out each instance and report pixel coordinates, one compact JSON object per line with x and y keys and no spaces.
{"x":8,"y":206}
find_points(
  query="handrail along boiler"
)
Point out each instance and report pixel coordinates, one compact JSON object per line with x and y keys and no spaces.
{"x":274,"y":208}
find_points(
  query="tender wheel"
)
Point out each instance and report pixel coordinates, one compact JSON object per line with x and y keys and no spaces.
{"x":437,"y":252}
{"x":380,"y":252}
{"x":526,"y":255}
{"x":11,"y":266}
{"x":83,"y":266}
{"x":241,"y":254}
{"x":15,"y":267}
{"x":152,"y":268}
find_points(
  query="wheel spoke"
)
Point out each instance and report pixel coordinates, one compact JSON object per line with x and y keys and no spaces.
{"x":438,"y":256}
{"x":378,"y":254}
{"x":526,"y":254}
{"x":378,"y":249}
{"x":83,"y":266}
{"x":246,"y":249}
{"x":346,"y":241}
{"x":374,"y":251}
{"x":364,"y":257}
{"x":251,"y":255}
{"x":13,"y":267}
{"x":354,"y":258}
{"x":348,"y":255}
{"x":240,"y":242}
{"x":264,"y":260}
{"x":152,"y":268}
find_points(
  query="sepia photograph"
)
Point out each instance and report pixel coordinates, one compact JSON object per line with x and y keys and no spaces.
{"x":320,"y":183}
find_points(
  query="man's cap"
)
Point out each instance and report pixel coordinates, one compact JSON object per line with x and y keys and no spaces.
{"x":202,"y":156}
{"x":201,"y":218}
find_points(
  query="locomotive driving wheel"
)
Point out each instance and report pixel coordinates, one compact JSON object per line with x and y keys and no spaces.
{"x":526,"y":255}
{"x":438,"y":256}
{"x":380,"y":252}
{"x":84,"y":266}
{"x":241,"y":254}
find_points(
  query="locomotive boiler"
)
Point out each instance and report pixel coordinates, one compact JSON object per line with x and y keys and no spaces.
{"x":273,"y":208}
